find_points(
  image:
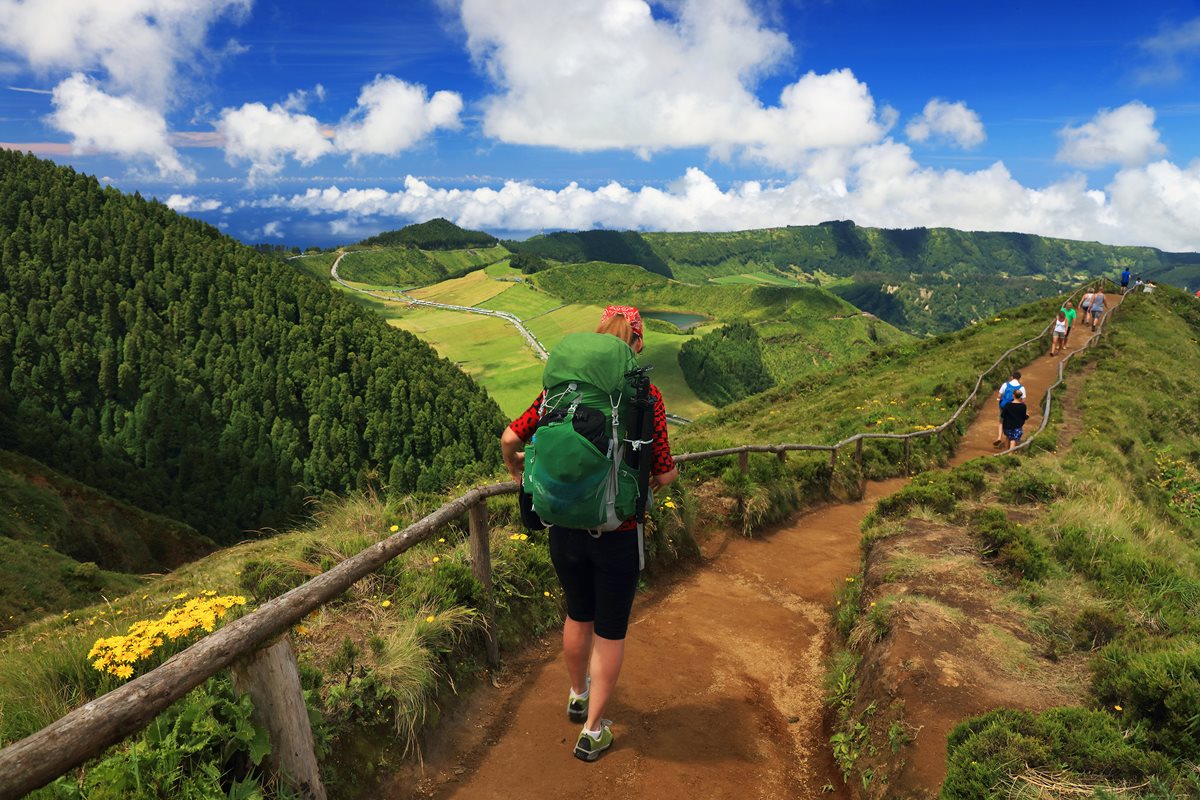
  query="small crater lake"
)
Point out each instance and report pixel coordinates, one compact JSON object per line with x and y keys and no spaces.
{"x":678,"y":318}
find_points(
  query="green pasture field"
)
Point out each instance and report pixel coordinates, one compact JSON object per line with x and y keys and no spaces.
{"x":469,"y":290}
{"x":458,"y":262}
{"x":488,"y":349}
{"x":523,"y":301}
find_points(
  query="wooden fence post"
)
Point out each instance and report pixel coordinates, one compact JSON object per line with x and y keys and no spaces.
{"x":744,"y":461}
{"x":862,"y":475}
{"x":908,"y":456}
{"x":481,"y":567}
{"x":272,"y":680}
{"x":782,"y":456}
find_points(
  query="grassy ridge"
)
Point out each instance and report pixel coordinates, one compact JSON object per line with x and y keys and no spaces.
{"x":1096,"y":550}
{"x":897,"y":389}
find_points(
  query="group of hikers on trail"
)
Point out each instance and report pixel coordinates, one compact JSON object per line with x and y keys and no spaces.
{"x":588,"y":453}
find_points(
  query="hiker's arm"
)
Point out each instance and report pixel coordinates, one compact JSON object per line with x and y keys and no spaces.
{"x":514,"y":456}
{"x":665,"y":479}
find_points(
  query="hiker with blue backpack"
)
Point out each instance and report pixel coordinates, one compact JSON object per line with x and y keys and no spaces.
{"x":588,"y":453}
{"x":1005,"y":395}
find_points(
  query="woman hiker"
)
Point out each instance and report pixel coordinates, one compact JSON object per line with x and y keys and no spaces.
{"x":1060,"y":334}
{"x":599,"y":573}
{"x":1097,"y":310}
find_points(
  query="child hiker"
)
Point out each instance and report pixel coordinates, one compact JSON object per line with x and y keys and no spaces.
{"x":1013,"y":417}
{"x":1005,"y":395}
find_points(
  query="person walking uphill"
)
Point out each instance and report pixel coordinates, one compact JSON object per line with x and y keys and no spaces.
{"x":1005,"y":395}
{"x":578,"y":440}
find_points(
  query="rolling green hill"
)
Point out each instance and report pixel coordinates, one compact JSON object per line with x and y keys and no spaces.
{"x":922,"y":280}
{"x":435,"y":234}
{"x":147,"y":355}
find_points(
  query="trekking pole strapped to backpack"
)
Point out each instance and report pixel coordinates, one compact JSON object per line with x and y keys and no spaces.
{"x":643,"y":429}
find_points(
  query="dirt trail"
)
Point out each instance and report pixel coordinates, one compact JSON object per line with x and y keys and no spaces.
{"x":720,"y":695}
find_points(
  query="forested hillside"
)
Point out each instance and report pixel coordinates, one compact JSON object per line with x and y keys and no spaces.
{"x":435,"y":234}
{"x":148,"y":355}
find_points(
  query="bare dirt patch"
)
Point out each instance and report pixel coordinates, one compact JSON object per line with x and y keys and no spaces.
{"x":954,"y":649}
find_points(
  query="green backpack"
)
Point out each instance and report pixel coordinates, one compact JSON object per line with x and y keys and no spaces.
{"x":575,"y":466}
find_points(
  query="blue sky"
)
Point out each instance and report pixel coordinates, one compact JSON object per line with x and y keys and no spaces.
{"x":320,"y":123}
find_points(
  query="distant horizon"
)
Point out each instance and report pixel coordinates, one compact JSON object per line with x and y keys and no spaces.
{"x":302,"y":122}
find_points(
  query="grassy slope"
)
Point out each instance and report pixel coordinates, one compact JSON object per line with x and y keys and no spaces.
{"x":899,"y":388}
{"x":1105,"y":569}
{"x":54,"y":525}
{"x":804,"y":330}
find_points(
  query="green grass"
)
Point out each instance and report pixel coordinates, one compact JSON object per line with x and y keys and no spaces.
{"x":468,"y":290}
{"x":461,"y":261}
{"x":488,"y":349}
{"x":897,"y":389}
{"x":754,"y":279}
{"x":523,"y":301}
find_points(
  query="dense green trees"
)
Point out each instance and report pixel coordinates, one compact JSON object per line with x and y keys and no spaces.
{"x":436,"y":234}
{"x":725,"y":365}
{"x":615,"y":247}
{"x":148,"y":355}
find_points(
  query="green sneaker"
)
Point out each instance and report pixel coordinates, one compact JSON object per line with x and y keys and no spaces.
{"x":577,"y":707}
{"x":589,"y":749}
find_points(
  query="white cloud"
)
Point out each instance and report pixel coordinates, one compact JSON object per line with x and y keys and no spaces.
{"x":581,"y":75}
{"x":884,"y":187}
{"x":273,"y":230}
{"x":1169,"y":52}
{"x":139,"y":44}
{"x":266,"y":136}
{"x":1124,"y":136}
{"x":101,"y":122}
{"x":186,"y":204}
{"x":392,"y":116}
{"x":953,"y":122}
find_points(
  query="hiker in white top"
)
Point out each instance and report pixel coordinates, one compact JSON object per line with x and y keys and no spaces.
{"x":1060,"y":333}
{"x":1004,"y":396}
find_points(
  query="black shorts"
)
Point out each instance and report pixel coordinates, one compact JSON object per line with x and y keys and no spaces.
{"x":599,"y":576}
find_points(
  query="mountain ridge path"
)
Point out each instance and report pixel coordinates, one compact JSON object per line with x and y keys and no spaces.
{"x":721,"y":691}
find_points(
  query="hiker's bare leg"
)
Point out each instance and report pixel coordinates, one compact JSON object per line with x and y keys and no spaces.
{"x":607,"y":655}
{"x":577,"y":649}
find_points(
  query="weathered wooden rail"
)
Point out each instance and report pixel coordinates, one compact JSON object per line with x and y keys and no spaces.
{"x":261,"y":657}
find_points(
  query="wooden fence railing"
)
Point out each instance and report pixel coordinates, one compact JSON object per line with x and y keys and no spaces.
{"x":261,"y":657}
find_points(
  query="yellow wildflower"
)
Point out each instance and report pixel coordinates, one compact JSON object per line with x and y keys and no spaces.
{"x":394,"y":528}
{"x":436,"y":559}
{"x":180,"y":596}
{"x":386,"y":604}
{"x":431,"y":618}
{"x":524,"y":536}
{"x":669,"y":504}
{"x":1118,"y":708}
{"x":301,"y":630}
{"x":442,"y":540}
{"x":547,"y":594}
